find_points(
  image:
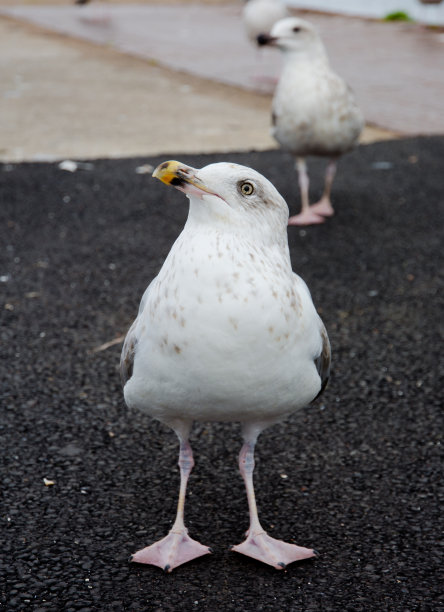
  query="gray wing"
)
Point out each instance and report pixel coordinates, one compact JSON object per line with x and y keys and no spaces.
{"x":130,"y":344}
{"x":127,"y":356}
{"x":323,"y":360}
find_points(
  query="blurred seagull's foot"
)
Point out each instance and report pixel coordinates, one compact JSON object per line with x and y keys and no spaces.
{"x":170,"y":552}
{"x":323,"y":208}
{"x":307,"y":217}
{"x":276,"y":553}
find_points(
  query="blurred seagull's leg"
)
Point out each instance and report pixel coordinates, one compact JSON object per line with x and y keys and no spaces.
{"x":324,"y":207}
{"x":307,"y":216}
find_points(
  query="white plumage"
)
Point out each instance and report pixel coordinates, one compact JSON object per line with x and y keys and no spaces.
{"x":225,"y":332}
{"x":314,"y":111}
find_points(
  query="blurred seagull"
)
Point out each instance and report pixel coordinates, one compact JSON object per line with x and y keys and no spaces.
{"x":314,"y":110}
{"x":225,"y":332}
{"x":260,"y":15}
{"x":100,"y":17}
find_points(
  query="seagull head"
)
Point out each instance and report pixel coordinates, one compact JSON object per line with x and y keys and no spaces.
{"x":293,"y":35}
{"x":228,"y":195}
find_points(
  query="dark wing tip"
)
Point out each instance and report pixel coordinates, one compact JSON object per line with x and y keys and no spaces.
{"x":323,"y":362}
{"x":127,"y":357}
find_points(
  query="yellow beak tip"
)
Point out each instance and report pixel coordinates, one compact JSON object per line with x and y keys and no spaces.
{"x":166,"y":171}
{"x":180,"y":176}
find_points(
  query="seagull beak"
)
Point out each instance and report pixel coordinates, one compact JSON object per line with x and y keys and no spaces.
{"x":182,"y":177}
{"x":265,"y":39}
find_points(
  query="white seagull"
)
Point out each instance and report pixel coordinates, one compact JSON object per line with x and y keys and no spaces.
{"x":314,"y":111}
{"x":225,"y":332}
{"x":259,"y":16}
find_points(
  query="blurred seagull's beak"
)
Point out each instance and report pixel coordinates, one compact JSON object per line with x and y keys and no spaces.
{"x":265,"y":39}
{"x":182,"y":177}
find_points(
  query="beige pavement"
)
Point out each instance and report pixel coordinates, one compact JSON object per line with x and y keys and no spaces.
{"x":395,"y":68}
{"x":65,"y":98}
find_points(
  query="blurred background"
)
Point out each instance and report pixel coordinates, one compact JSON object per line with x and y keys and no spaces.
{"x":109,"y":79}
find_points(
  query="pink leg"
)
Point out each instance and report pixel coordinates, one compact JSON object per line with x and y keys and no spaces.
{"x":324,"y":207}
{"x":258,"y":543}
{"x":177,"y":547}
{"x":307,"y":216}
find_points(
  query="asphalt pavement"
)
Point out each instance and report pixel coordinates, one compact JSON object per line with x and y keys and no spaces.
{"x":358,"y":475}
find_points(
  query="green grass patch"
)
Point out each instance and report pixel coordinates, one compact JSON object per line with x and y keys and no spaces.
{"x":398,"y":16}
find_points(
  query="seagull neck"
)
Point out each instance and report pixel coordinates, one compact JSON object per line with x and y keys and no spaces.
{"x":230,"y":239}
{"x":315,"y":56}
{"x":222,"y":219}
{"x":204,"y":214}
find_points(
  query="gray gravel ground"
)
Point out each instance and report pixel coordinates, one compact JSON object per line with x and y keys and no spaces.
{"x":363,"y":465}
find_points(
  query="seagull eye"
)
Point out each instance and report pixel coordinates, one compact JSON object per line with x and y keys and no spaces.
{"x":246,"y":188}
{"x":296,"y":29}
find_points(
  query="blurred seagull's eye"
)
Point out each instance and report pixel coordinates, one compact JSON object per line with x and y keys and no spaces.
{"x":296,"y":29}
{"x":246,"y":188}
